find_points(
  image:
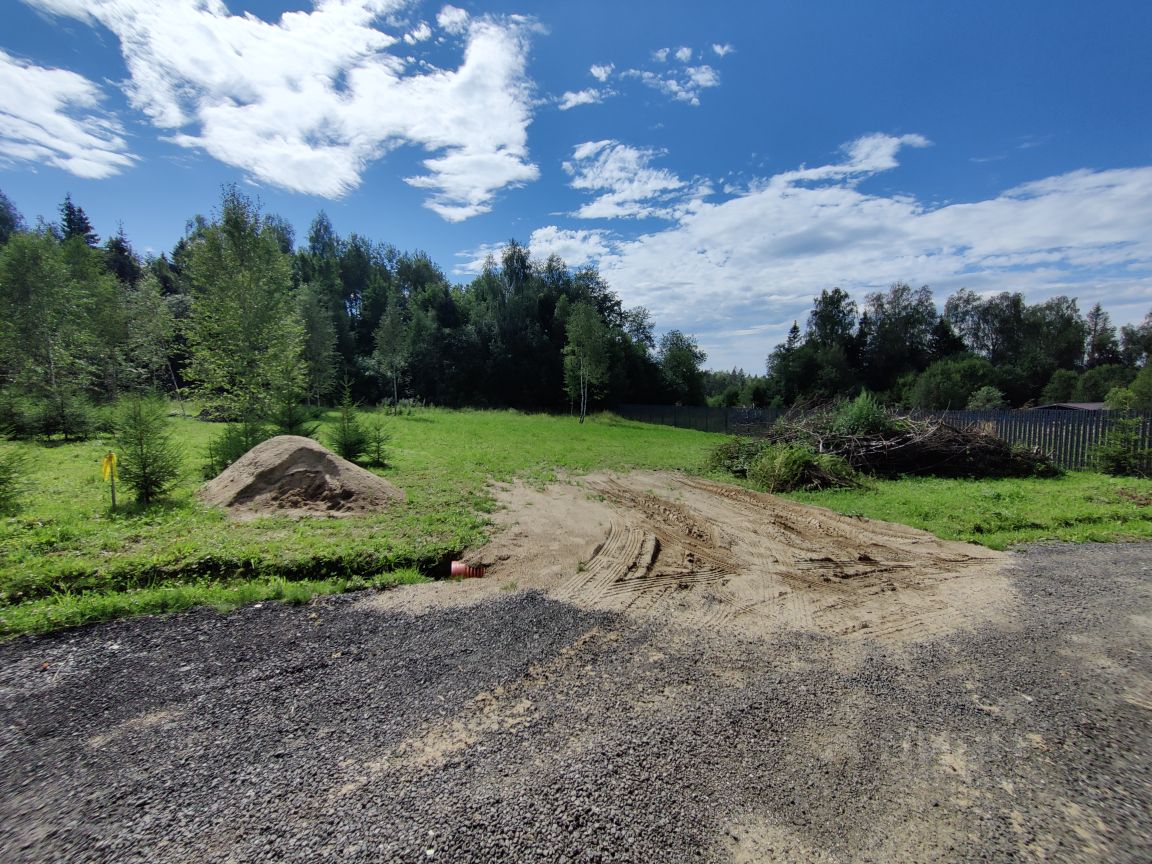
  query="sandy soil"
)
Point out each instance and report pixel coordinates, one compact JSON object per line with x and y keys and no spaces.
{"x":709,"y":555}
{"x":292,"y":475}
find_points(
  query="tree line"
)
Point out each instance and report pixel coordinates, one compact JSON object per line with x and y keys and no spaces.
{"x":980,"y":352}
{"x":257,"y":325}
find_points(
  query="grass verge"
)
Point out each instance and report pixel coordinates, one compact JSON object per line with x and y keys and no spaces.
{"x":1078,"y":507}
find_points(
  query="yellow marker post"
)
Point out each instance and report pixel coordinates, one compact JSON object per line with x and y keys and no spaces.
{"x":110,"y":474}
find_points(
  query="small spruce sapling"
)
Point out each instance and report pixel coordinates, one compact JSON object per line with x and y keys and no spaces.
{"x":348,"y":437}
{"x":150,"y":460}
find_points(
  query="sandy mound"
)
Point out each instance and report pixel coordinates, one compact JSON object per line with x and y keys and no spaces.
{"x":296,"y":475}
{"x":707,"y":554}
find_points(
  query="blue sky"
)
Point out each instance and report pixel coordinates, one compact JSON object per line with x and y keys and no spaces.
{"x":721,"y":163}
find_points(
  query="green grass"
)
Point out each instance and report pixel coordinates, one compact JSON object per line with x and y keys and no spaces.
{"x":67,"y":559}
{"x":1078,"y":507}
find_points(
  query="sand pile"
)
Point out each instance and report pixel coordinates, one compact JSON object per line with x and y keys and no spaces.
{"x":292,"y":474}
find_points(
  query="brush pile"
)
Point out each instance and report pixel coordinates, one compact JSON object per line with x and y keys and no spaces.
{"x":875,"y":442}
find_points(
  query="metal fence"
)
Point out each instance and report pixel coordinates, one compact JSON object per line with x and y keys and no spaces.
{"x":1066,"y":436}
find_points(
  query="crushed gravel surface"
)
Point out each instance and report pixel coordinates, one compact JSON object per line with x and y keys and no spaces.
{"x":526,"y":729}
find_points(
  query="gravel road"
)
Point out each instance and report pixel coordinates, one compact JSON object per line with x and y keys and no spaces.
{"x":525,"y":729}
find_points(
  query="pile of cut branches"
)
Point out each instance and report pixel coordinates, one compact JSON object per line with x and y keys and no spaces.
{"x":889,"y":446}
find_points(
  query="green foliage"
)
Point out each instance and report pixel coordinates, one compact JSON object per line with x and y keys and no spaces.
{"x":987,"y":398}
{"x":13,"y":479}
{"x":348,"y":437}
{"x":792,"y":467}
{"x":586,"y":358}
{"x":1120,"y":453}
{"x":245,"y":333}
{"x":232,"y":442}
{"x":864,"y":417}
{"x":66,"y":413}
{"x":150,"y":460}
{"x":378,"y":438}
{"x":735,"y":455}
{"x":948,"y":383}
{"x":1075,"y":507}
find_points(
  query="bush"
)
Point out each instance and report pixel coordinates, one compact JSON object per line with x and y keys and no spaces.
{"x":233,"y":442}
{"x":348,"y":438}
{"x":735,"y":455}
{"x":793,"y":467}
{"x":987,"y":398}
{"x":864,"y":417}
{"x":13,"y":471}
{"x":1120,"y":453}
{"x":65,"y":413}
{"x":150,"y":461}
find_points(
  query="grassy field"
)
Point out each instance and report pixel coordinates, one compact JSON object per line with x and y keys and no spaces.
{"x":66,"y":559}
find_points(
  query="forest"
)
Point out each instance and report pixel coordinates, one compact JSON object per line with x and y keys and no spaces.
{"x":259,"y":326}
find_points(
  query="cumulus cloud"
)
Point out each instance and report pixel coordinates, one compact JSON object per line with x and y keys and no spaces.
{"x":628,"y":185}
{"x":683,"y":53}
{"x":722,"y":50}
{"x":602,"y":72}
{"x":660,"y":55}
{"x":453,"y":19}
{"x":421,"y":33}
{"x":590,"y":96}
{"x":53,"y":117}
{"x":308,"y":102}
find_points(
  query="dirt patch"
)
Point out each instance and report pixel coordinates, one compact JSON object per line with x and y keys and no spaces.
{"x":711,"y":555}
{"x":293,"y":475}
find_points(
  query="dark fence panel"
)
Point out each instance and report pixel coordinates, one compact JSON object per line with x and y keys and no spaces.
{"x":1066,"y":436}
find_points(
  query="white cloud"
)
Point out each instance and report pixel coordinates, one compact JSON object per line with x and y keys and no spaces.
{"x":683,"y":85}
{"x":602,"y":72}
{"x":306,"y":103}
{"x":737,"y":272}
{"x":577,"y":248}
{"x":660,"y":55}
{"x":683,"y":54}
{"x":591,"y":96}
{"x":53,"y":117}
{"x":453,"y":20}
{"x":421,"y":34}
{"x":629,"y":186}
{"x":757,"y":260}
{"x":722,"y":50}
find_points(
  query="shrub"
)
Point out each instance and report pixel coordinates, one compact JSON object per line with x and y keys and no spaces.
{"x":864,"y":417}
{"x":234,"y":441}
{"x":792,"y":467}
{"x":735,"y":455}
{"x":348,"y":438}
{"x":1120,"y":453}
{"x":13,"y":471}
{"x":987,"y":398}
{"x":150,"y":461}
{"x":65,"y":413}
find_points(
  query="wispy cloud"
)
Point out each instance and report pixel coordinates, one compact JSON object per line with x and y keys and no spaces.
{"x":308,"y":102}
{"x":681,"y":84}
{"x":54,"y":117}
{"x":590,"y":96}
{"x":683,"y":53}
{"x":722,"y":50}
{"x":628,"y":185}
